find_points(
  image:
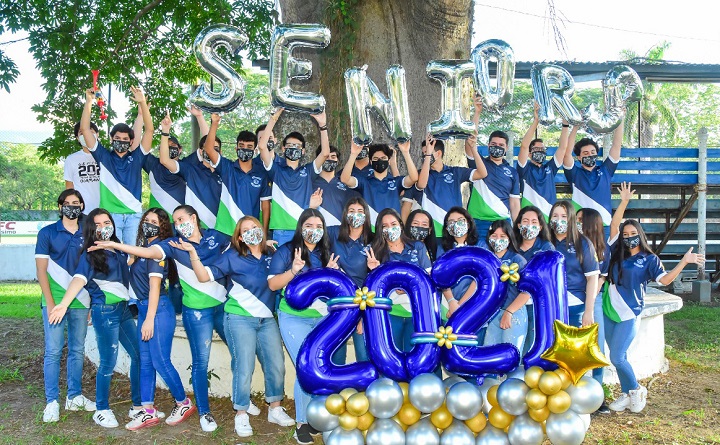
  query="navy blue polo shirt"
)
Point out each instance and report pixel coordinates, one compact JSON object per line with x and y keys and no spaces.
{"x":507,"y":259}
{"x":291,"y":192}
{"x":362,"y":171}
{"x":353,"y":259}
{"x":120,"y":179}
{"x":413,"y":253}
{"x":575,"y":272}
{"x":140,"y":272}
{"x":490,"y":197}
{"x":380,"y":194}
{"x":62,"y":250}
{"x":538,"y":246}
{"x":537,"y":184}
{"x":203,"y":188}
{"x":167,"y":190}
{"x":106,"y":288}
{"x":241,"y":193}
{"x":335,"y":195}
{"x":281,"y":262}
{"x":593,"y":188}
{"x":627,"y":296}
{"x":443,"y":191}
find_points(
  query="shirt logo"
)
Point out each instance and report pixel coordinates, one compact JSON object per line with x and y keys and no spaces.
{"x":449,"y":178}
{"x":571,"y":248}
{"x":547,"y":170}
{"x":640,"y":263}
{"x":341,"y":186}
{"x":392,"y":185}
{"x":507,"y":172}
{"x":211,"y":242}
{"x":303,"y":172}
{"x":255,"y":181}
{"x":414,"y":256}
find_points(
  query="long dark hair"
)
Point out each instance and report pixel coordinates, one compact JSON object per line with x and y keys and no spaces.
{"x":69,"y":192}
{"x":430,"y":241}
{"x":592,"y":228}
{"x":98,"y":259}
{"x":544,"y":230}
{"x":507,"y":228}
{"x":344,"y":234}
{"x":573,"y":236}
{"x":380,"y":245}
{"x":298,"y":241}
{"x":166,"y":231}
{"x":448,"y":241}
{"x":620,"y":251}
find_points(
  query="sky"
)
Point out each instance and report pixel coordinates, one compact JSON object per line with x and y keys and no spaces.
{"x":593,"y":31}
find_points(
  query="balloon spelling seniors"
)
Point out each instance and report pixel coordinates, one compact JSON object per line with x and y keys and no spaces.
{"x":105,"y":275}
{"x":632,"y":266}
{"x":202,"y":310}
{"x":57,"y":252}
{"x":308,"y":249}
{"x":581,"y":265}
{"x":250,"y":326}
{"x":156,"y":325}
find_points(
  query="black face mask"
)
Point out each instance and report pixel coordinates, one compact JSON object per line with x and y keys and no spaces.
{"x":380,"y":165}
{"x":363,"y":153}
{"x":329,"y":166}
{"x":71,"y":212}
{"x":589,"y":161}
{"x":632,"y":242}
{"x":419,"y":233}
{"x":538,"y":157}
{"x":293,"y":154}
{"x":496,"y":151}
{"x":174,"y":152}
{"x":121,"y":146}
{"x":245,"y":154}
{"x":150,"y":230}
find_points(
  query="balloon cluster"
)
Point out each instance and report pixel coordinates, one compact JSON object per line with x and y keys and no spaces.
{"x":99,"y":98}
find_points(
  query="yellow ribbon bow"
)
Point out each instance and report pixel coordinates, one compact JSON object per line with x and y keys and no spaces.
{"x":445,"y":336}
{"x":510,"y":272}
{"x":364,"y":298}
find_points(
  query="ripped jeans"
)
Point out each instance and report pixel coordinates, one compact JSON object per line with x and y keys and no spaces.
{"x":199,"y":325}
{"x":114,"y":323}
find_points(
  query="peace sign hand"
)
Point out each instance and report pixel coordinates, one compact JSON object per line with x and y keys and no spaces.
{"x":372,"y":262}
{"x":298,"y":263}
{"x":333,"y":261}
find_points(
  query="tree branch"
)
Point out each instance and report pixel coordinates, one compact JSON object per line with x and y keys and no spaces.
{"x":132,"y":25}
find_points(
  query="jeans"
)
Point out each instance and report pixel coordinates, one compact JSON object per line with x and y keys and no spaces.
{"x":283,"y":236}
{"x":126,"y":226}
{"x":599,"y":317}
{"x":175,"y":293}
{"x":361,"y":354}
{"x":76,"y":321}
{"x":248,"y":336}
{"x":199,"y":325}
{"x":619,"y":336}
{"x":402,"y":330}
{"x":515,"y":334}
{"x":575,"y":315}
{"x":113,"y":322}
{"x":155,"y":353}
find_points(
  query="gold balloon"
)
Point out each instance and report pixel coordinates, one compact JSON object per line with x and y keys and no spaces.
{"x":399,"y":422}
{"x":532,"y":376}
{"x":365,"y":421}
{"x":539,"y":415}
{"x":499,"y":418}
{"x":347,"y":421}
{"x":549,"y":383}
{"x":441,"y":417}
{"x":492,"y":395}
{"x":559,"y":403}
{"x":477,"y":423}
{"x":357,"y":404}
{"x":408,"y":414}
{"x":347,"y":392}
{"x":405,"y":388}
{"x":564,"y":376}
{"x":335,"y":404}
{"x":535,"y":399}
{"x":575,"y":350}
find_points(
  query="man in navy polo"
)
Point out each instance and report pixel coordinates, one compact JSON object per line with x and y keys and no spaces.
{"x":334,"y":193}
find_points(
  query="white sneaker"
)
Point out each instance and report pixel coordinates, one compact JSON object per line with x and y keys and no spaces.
{"x":638,"y":399}
{"x":180,"y":413}
{"x":134,"y":412}
{"x":79,"y":403}
{"x":105,"y":418}
{"x":51,"y":412}
{"x":142,"y":420}
{"x":242,"y":425}
{"x":278,"y":416}
{"x":621,"y":403}
{"x":253,"y":410}
{"x":207,"y":423}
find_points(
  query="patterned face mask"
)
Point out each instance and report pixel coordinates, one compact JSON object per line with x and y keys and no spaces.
{"x":363,"y":153}
{"x":329,"y":166}
{"x":589,"y":161}
{"x":253,"y":237}
{"x":293,"y":153}
{"x":105,"y":233}
{"x":71,"y":212}
{"x":632,"y":242}
{"x":174,"y":152}
{"x":150,"y":230}
{"x":496,"y":151}
{"x":538,"y":157}
{"x":458,"y":228}
{"x":578,"y":224}
{"x":392,"y":234}
{"x":355,"y":220}
{"x":121,"y":146}
{"x":185,"y":229}
{"x":559,"y":226}
{"x":499,"y":244}
{"x":312,"y":236}
{"x":245,"y":154}
{"x":419,"y":233}
{"x":529,"y":231}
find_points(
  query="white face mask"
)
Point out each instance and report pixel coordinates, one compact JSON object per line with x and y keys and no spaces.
{"x":81,"y":139}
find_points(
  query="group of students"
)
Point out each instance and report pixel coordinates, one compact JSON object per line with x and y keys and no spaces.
{"x":230,"y":273}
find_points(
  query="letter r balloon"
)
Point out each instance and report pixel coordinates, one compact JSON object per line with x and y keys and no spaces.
{"x":553,"y":86}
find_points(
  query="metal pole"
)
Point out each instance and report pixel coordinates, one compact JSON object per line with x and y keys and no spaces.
{"x":701,"y":287}
{"x":194,"y":129}
{"x":510,"y":153}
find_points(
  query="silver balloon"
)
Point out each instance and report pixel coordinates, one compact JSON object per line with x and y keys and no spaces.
{"x":498,"y":97}
{"x":586,"y":420}
{"x":464,"y":400}
{"x":284,"y":67}
{"x":492,"y":436}
{"x":450,"y":74}
{"x":319,"y":417}
{"x":206,"y":48}
{"x":565,"y":428}
{"x":518,"y":373}
{"x":426,"y":392}
{"x":457,"y":434}
{"x":453,"y":379}
{"x":587,"y":396}
{"x":340,"y":436}
{"x":487,"y":384}
{"x":385,"y":432}
{"x":553,"y":86}
{"x":621,"y":86}
{"x":525,"y":431}
{"x":422,"y":433}
{"x":511,"y":396}
{"x":627,"y":80}
{"x":326,"y":435}
{"x":385,"y":397}
{"x":364,"y":96}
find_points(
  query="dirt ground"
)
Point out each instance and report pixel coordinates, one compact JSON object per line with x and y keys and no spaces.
{"x":683,"y":407}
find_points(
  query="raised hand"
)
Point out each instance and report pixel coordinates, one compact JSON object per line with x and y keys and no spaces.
{"x":215,"y":118}
{"x":477,"y":104}
{"x":333,"y":261}
{"x":626,"y":193}
{"x":372,"y":262}
{"x":166,"y":123}
{"x":89,"y":95}
{"x":693,"y":258}
{"x":404,"y":147}
{"x":138,"y":94}
{"x":316,"y":199}
{"x":536,"y":110}
{"x":321,"y":118}
{"x":298,"y":263}
{"x":429,"y":144}
{"x":195,"y":111}
{"x":182,"y":245}
{"x":355,"y":149}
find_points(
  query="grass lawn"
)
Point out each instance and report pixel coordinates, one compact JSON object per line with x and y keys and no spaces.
{"x":20,"y":300}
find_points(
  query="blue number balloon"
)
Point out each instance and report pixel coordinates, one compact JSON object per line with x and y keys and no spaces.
{"x":316,"y":372}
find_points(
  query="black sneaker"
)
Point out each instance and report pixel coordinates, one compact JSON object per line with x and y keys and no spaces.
{"x":313,"y":431}
{"x":604,"y":409}
{"x":302,"y":434}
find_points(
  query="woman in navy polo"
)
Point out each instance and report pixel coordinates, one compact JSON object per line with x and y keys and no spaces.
{"x":420,"y":227}
{"x":531,"y":232}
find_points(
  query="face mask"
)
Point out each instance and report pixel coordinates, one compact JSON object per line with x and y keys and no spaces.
{"x":81,"y":139}
{"x":150,"y":230}
{"x":253,"y":237}
{"x":174,"y":152}
{"x":293,"y":154}
{"x":329,"y":166}
{"x":392,"y":234}
{"x":271,"y":145}
{"x":579,"y":227}
{"x":105,"y":233}
{"x":632,"y":242}
{"x":363,"y":153}
{"x":120,"y":146}
{"x":71,"y":212}
{"x":312,"y":236}
{"x":185,"y":229}
{"x":356,"y":220}
{"x":589,"y":161}
{"x":496,"y":151}
{"x":432,"y":159}
{"x":559,"y":226}
{"x":419,"y":233}
{"x":458,"y":228}
{"x":245,"y":154}
{"x":206,"y":158}
{"x":529,"y":231}
{"x":499,"y":244}
{"x":380,"y":165}
{"x":538,"y":157}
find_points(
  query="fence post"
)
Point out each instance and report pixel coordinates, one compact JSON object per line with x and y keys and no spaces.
{"x":510,"y":153}
{"x":701,"y":286}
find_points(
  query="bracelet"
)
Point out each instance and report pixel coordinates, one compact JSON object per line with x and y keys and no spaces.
{"x":566,"y":125}
{"x":511,"y":313}
{"x":293,"y":272}
{"x":165,"y":134}
{"x":323,"y":128}
{"x":195,"y":259}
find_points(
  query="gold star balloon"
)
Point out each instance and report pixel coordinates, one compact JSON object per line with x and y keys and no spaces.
{"x":575,"y":350}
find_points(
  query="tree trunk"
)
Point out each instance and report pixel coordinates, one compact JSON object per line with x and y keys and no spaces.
{"x":381,"y":33}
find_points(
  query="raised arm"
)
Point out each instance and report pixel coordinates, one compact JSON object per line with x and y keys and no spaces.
{"x":529,"y":136}
{"x":427,"y":153}
{"x":617,"y":142}
{"x":200,"y":118}
{"x":267,"y":156}
{"x":209,"y":146}
{"x":170,"y":164}
{"x":412,"y":175}
{"x":346,"y":176}
{"x":563,"y":145}
{"x":149,"y":129}
{"x":200,"y":272}
{"x":688,"y":258}
{"x":154,"y":253}
{"x":137,"y":128}
{"x":568,"y":161}
{"x":471,"y":151}
{"x":321,"y":120}
{"x":626,"y":194}
{"x":85,"y":120}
